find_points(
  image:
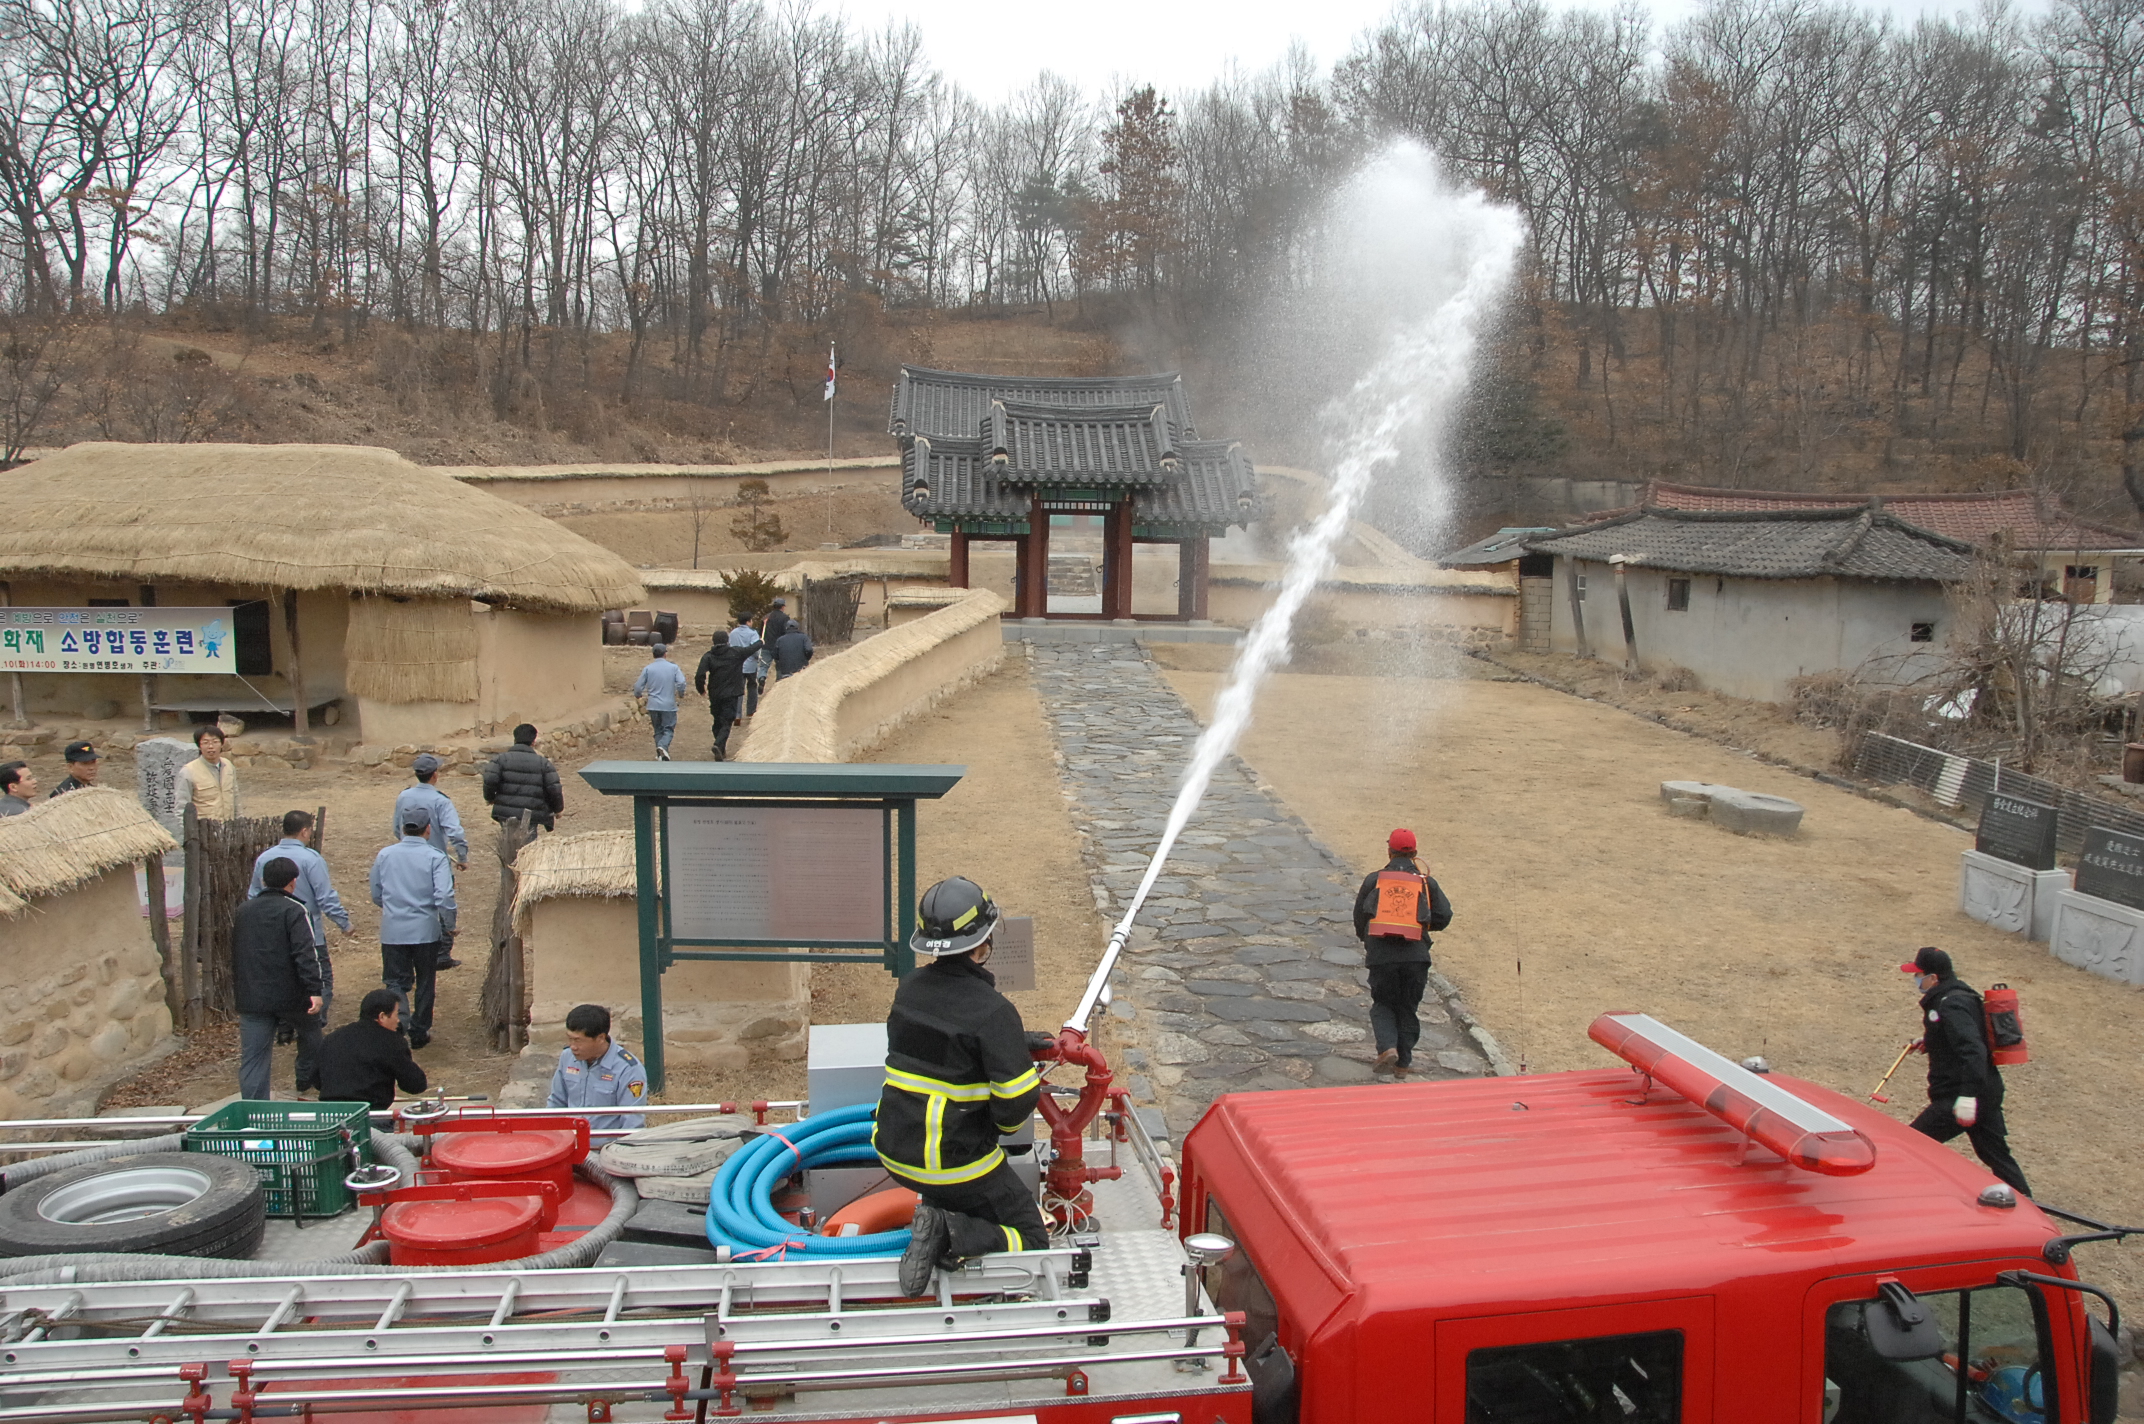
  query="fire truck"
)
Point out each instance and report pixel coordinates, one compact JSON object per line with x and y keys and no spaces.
{"x":1672,"y":1239}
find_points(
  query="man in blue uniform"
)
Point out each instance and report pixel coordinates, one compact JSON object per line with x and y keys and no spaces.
{"x":445,"y":832}
{"x":316,"y":892}
{"x":658,"y":687}
{"x":593,"y":1072}
{"x":413,"y":884}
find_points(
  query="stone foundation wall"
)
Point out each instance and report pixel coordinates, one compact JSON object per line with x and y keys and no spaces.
{"x":83,"y":997}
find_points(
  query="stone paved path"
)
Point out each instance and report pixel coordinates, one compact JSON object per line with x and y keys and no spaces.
{"x":1243,"y":970}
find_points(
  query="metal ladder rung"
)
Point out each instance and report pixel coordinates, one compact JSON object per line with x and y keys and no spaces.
{"x":169,"y":1313}
{"x":395,"y":1306}
{"x":507,"y":1298}
{"x":284,"y":1309}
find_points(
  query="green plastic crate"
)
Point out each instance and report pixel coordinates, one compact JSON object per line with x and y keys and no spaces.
{"x":302,"y":1150}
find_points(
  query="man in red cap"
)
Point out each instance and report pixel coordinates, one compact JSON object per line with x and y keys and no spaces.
{"x":1394,"y":911}
{"x":1965,"y":1088}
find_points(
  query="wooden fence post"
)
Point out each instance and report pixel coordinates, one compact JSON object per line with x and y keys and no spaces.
{"x":190,"y":926}
{"x":503,"y":1003}
{"x":160,"y":934}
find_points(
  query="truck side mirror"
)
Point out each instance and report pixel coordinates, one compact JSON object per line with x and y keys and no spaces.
{"x":2105,"y":1383}
{"x":1899,"y":1327}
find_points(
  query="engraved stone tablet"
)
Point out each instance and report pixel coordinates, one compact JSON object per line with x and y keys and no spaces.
{"x":2019,"y":831}
{"x":2112,"y":867}
{"x":1012,"y":953}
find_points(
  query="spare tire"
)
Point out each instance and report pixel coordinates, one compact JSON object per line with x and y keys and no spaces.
{"x":163,"y":1203}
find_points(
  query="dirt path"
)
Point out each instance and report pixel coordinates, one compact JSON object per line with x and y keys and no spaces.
{"x":1540,"y":815}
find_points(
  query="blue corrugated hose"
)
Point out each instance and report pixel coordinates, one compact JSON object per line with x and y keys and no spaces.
{"x":740,"y":1209}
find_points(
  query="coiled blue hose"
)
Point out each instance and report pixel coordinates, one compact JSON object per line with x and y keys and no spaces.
{"x":740,"y":1209}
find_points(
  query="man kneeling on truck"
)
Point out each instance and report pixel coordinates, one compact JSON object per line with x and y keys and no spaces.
{"x":958,"y":1074}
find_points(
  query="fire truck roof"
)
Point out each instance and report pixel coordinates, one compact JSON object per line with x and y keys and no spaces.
{"x":1447,"y":1191}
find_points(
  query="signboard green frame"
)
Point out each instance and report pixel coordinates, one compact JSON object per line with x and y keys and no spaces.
{"x":658,"y":788}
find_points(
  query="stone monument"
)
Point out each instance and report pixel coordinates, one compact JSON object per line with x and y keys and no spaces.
{"x":2009,"y":879}
{"x":156,"y":768}
{"x":2100,"y":925}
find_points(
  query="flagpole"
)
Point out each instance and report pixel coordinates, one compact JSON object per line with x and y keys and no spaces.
{"x":831,"y":380}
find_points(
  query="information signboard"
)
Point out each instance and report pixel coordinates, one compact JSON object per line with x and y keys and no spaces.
{"x":1012,"y":953}
{"x":2019,"y":831}
{"x":777,"y":874}
{"x":2112,"y":867}
{"x":122,"y":640}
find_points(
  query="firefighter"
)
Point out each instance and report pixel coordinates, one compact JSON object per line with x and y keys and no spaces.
{"x":958,"y":1074}
{"x":1965,"y":1088}
{"x":1394,"y":912}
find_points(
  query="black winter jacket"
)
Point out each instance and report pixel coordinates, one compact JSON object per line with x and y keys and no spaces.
{"x":792,"y":651}
{"x":1955,"y":1030}
{"x":721,"y":672}
{"x":361,"y":1063}
{"x":275,"y":966}
{"x":958,"y":1073}
{"x":774,"y":625}
{"x":523,"y":779}
{"x":1433,"y":912}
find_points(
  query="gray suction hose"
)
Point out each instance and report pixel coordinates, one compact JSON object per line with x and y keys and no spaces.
{"x":19,"y":1172}
{"x":71,"y":1268}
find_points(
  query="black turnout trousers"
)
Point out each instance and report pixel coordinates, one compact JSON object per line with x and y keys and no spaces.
{"x":1991,"y":1142}
{"x":978,"y":1214}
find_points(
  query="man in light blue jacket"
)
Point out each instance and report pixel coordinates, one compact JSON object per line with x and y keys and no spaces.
{"x":446,"y":823}
{"x":316,"y":892}
{"x":658,"y":687}
{"x":413,"y":884}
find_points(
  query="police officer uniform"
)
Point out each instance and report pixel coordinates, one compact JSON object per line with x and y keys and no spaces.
{"x":958,"y":1076}
{"x":615,"y":1080}
{"x":76,"y":754}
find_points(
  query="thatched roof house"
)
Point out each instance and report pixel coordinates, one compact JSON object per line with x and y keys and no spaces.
{"x":67,"y":841}
{"x":419,"y":603}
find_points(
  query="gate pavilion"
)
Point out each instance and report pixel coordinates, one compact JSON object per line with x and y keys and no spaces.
{"x":993,"y":457}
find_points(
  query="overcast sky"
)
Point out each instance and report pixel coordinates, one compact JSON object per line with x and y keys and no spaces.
{"x":994,"y":48}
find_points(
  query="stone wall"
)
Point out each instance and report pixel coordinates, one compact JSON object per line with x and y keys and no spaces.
{"x":83,"y":995}
{"x":843,"y":705}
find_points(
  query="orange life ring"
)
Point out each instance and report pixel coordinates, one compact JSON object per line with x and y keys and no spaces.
{"x":889,"y":1210}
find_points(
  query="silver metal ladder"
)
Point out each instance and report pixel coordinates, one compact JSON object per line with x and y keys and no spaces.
{"x":266,"y":1347}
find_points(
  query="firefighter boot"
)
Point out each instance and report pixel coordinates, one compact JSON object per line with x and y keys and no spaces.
{"x":928,"y":1237}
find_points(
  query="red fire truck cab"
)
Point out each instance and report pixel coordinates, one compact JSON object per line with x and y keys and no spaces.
{"x":1633,"y":1245}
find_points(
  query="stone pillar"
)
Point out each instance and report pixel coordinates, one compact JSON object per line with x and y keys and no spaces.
{"x":1117,"y":560}
{"x":957,"y":568}
{"x":156,"y":762}
{"x":1192,"y":567}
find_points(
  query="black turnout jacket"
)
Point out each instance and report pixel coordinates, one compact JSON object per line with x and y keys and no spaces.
{"x":1433,"y":912}
{"x":1956,"y":1032}
{"x":958,"y":1074}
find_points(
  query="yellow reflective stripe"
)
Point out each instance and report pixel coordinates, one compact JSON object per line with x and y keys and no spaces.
{"x":1013,"y":1087}
{"x":1012,"y":1239}
{"x":917,"y":1083}
{"x":933,"y":1131}
{"x":945,"y":1176}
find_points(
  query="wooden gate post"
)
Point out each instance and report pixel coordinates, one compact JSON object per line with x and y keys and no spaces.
{"x":190,"y":926}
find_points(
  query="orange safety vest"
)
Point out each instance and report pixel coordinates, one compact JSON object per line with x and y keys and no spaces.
{"x":1399,"y":900}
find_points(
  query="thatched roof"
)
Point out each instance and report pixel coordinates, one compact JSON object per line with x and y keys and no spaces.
{"x":294,"y":516}
{"x":596,"y":863}
{"x":70,"y":840}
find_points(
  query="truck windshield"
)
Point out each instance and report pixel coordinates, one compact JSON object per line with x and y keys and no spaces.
{"x":1993,"y":1330}
{"x":1633,"y":1379}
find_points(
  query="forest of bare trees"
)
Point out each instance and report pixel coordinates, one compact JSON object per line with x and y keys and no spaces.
{"x":1773,"y":223}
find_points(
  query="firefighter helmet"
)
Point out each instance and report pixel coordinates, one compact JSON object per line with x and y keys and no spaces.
{"x":953,"y":917}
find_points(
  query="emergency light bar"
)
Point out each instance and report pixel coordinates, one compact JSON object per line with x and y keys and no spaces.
{"x":1804,"y":1134}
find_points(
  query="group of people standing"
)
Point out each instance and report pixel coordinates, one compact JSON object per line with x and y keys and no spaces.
{"x":732,"y":675}
{"x":284,"y":980}
{"x":208,"y":783}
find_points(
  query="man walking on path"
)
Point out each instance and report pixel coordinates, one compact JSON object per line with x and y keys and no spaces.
{"x":657,"y":687}
{"x":209,"y":781}
{"x":413,"y":884}
{"x":17,"y":785}
{"x":1965,"y":1088}
{"x":792,"y":651}
{"x":1394,"y":911}
{"x":446,"y":833}
{"x":720,"y":677}
{"x":776,"y":623}
{"x":523,"y":779}
{"x":316,"y":892}
{"x":363,"y":1062}
{"x":744,"y":635}
{"x":276,"y":978}
{"x":82,"y":769}
{"x":594,"y":1072}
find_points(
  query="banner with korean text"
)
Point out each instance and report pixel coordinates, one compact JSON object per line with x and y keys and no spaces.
{"x":130,"y":640}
